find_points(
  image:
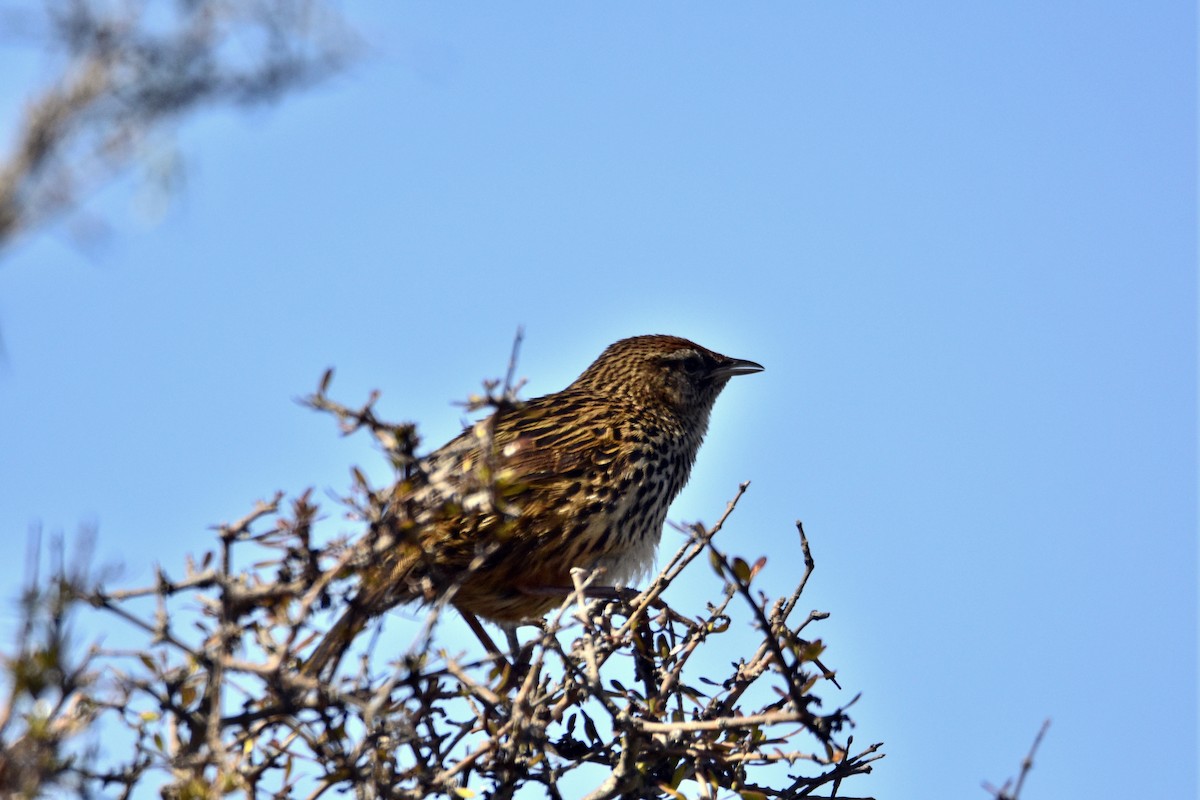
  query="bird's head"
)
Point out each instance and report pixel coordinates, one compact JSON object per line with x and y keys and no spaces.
{"x":664,"y":373}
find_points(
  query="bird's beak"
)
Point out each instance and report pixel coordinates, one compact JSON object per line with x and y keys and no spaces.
{"x":735,"y":366}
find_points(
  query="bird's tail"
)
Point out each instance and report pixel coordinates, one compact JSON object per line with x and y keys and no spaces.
{"x":382,"y":587}
{"x":337,"y":641}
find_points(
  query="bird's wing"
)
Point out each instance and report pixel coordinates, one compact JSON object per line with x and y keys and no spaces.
{"x":543,"y":442}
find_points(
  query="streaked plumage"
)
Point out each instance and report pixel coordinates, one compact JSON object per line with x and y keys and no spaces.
{"x":579,"y":478}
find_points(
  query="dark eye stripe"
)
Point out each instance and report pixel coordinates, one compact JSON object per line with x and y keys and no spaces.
{"x":686,"y":359}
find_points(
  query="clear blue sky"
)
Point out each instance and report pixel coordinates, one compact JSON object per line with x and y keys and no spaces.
{"x":961,"y":237}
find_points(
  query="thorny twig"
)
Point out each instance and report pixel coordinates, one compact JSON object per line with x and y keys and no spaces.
{"x":631,"y":695}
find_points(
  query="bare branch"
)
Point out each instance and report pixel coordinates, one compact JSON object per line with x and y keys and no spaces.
{"x":1004,"y":793}
{"x":628,"y":693}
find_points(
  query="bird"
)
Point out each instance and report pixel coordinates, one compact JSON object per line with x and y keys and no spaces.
{"x":495,"y":521}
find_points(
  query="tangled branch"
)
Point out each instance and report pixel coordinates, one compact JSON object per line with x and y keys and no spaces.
{"x":637,"y":694}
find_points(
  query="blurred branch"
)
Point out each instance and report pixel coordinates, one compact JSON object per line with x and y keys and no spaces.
{"x":47,"y":710}
{"x":129,"y":67}
{"x":1012,"y":790}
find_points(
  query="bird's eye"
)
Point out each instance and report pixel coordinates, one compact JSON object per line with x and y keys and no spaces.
{"x":693,"y":363}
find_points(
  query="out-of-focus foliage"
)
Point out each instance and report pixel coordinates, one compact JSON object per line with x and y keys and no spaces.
{"x":123,"y":71}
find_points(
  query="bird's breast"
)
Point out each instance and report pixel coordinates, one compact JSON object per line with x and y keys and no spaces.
{"x":624,"y":518}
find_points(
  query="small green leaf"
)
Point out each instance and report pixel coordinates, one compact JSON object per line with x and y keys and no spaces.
{"x":680,"y":772}
{"x":742,"y":570}
{"x":811,"y":651}
{"x":589,"y":728}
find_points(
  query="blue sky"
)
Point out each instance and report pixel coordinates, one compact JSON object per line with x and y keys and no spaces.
{"x":961,"y":237}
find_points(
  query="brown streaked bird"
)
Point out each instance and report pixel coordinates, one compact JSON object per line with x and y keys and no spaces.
{"x":498,"y":517}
